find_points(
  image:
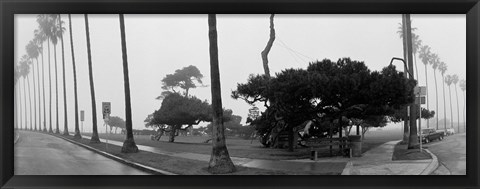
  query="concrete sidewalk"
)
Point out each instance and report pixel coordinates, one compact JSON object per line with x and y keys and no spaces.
{"x":377,"y":161}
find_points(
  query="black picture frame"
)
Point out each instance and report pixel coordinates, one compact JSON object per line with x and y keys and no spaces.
{"x":10,"y":7}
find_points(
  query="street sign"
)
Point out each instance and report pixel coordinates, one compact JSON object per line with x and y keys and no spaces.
{"x":106,"y":108}
{"x":423,"y":100}
{"x":82,"y":115}
{"x":423,"y":90}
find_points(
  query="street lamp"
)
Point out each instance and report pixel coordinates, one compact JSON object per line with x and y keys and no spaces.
{"x":419,"y":98}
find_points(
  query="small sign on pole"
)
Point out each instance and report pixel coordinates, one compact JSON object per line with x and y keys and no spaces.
{"x":82,"y":115}
{"x":420,"y":89}
{"x":423,"y":100}
{"x":106,"y":109}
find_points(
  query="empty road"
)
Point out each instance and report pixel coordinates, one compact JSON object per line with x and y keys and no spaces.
{"x":42,"y":154}
{"x":451,"y":154}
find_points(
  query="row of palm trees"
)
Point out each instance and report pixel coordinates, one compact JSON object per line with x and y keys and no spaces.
{"x":50,"y":30}
{"x":429,"y":58}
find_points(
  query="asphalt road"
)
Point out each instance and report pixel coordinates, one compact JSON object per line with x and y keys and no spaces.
{"x":42,"y":154}
{"x":451,"y":154}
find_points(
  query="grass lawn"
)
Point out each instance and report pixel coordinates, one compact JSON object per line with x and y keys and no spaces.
{"x":238,"y":147}
{"x":402,"y":153}
{"x":173,"y":164}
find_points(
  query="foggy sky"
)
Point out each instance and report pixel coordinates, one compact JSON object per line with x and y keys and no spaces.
{"x":157,"y":45}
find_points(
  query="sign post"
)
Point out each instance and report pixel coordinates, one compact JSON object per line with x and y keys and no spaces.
{"x":420,"y":92}
{"x":106,"y":108}
{"x":82,"y":117}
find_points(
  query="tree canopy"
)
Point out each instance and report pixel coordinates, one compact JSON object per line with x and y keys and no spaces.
{"x":186,"y":78}
{"x":326,"y":91}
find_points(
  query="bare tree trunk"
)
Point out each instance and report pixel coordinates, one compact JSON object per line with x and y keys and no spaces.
{"x":57,"y":130}
{"x":77,"y":127}
{"x":268,"y":47}
{"x":30,"y":101}
{"x":458,"y":109}
{"x":50,"y":87}
{"x":34,"y":98}
{"x":444,"y":105}
{"x":129,"y":145}
{"x":25,"y":103}
{"x":413,"y":137}
{"x":65,"y":114}
{"x":94,"y":138}
{"x":436,"y":95}
{"x":451,"y":108}
{"x":220,"y":161}
{"x":43,"y":86}
{"x":427,"y":98}
{"x":406,"y":128}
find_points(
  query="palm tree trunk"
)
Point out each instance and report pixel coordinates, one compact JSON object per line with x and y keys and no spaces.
{"x":30,"y":102}
{"x":15,"y":99}
{"x":129,"y":145}
{"x":451,"y":108}
{"x":77,"y":127}
{"x":220,"y":161}
{"x":50,"y":87}
{"x":444,"y":105}
{"x":34,"y":98}
{"x":458,"y":109}
{"x":94,"y":138}
{"x":57,"y":130}
{"x":43,"y":86}
{"x":25,"y":102}
{"x":436,"y":95}
{"x":19,"y":109}
{"x":464,"y":107}
{"x":427,"y":98}
{"x":38,"y":94}
{"x":65,"y":115}
{"x":268,"y":47}
{"x":413,"y":137}
{"x":406,"y":128}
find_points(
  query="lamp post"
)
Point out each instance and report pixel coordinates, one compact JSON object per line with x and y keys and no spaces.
{"x":419,"y":99}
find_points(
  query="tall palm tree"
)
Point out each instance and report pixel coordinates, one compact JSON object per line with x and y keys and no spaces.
{"x":220,"y":161}
{"x":56,"y":32}
{"x":40,"y":37}
{"x":435,"y":61}
{"x":129,"y":145}
{"x":16,"y":83}
{"x":463,"y":86}
{"x":442,"y":67}
{"x":32,"y":52}
{"x":425,"y":55}
{"x":46,"y":25}
{"x":94,"y":138}
{"x":24,"y":70}
{"x":449,"y":80}
{"x":18,"y":75}
{"x":28,"y":62}
{"x":413,"y":136}
{"x":65,"y":113}
{"x":77,"y":127}
{"x":455,"y":81}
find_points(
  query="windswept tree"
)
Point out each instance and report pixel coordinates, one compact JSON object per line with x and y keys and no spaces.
{"x":442,"y":67}
{"x":33,"y":52}
{"x":117,"y":122}
{"x":94,"y":138}
{"x":129,"y":145}
{"x":449,"y":81}
{"x":435,"y":62}
{"x":463,"y":86}
{"x":455,"y":81}
{"x":77,"y":127}
{"x":186,"y":78}
{"x":220,"y":161}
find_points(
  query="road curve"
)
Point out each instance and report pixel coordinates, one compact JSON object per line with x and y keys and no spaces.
{"x":451,"y":153}
{"x":42,"y":154}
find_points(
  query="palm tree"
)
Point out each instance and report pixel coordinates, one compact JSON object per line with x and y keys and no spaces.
{"x":463,"y":86}
{"x":77,"y":127}
{"x":442,"y":67}
{"x":425,"y":56}
{"x":29,"y":62}
{"x":32,"y":51}
{"x":220,"y":161}
{"x":46,"y":26}
{"x":40,"y":37}
{"x":435,"y":61}
{"x":129,"y":145}
{"x":455,"y":81}
{"x":65,"y":115}
{"x":449,"y":80}
{"x":16,"y":99}
{"x":413,"y":136}
{"x":94,"y":138}
{"x":56,"y":33}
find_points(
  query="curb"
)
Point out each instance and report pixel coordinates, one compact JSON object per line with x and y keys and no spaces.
{"x":432,"y":166}
{"x":119,"y":159}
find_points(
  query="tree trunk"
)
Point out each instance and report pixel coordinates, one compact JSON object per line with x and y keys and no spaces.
{"x":268,"y":47}
{"x":39,"y":101}
{"x":94,"y":138}
{"x":413,"y":137}
{"x":129,"y":145}
{"x":464,"y":115}
{"x":405,"y":118}
{"x":57,"y":129}
{"x":220,"y":161}
{"x":426,"y":98}
{"x":25,"y":103}
{"x":30,"y":102}
{"x":172,"y":133}
{"x":451,"y":108}
{"x":20,"y":103}
{"x":436,"y":95}
{"x":458,"y":110}
{"x":50,"y":87}
{"x":43,"y":86}
{"x":65,"y":114}
{"x":15,"y":99}
{"x":77,"y":127}
{"x":34,"y":98}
